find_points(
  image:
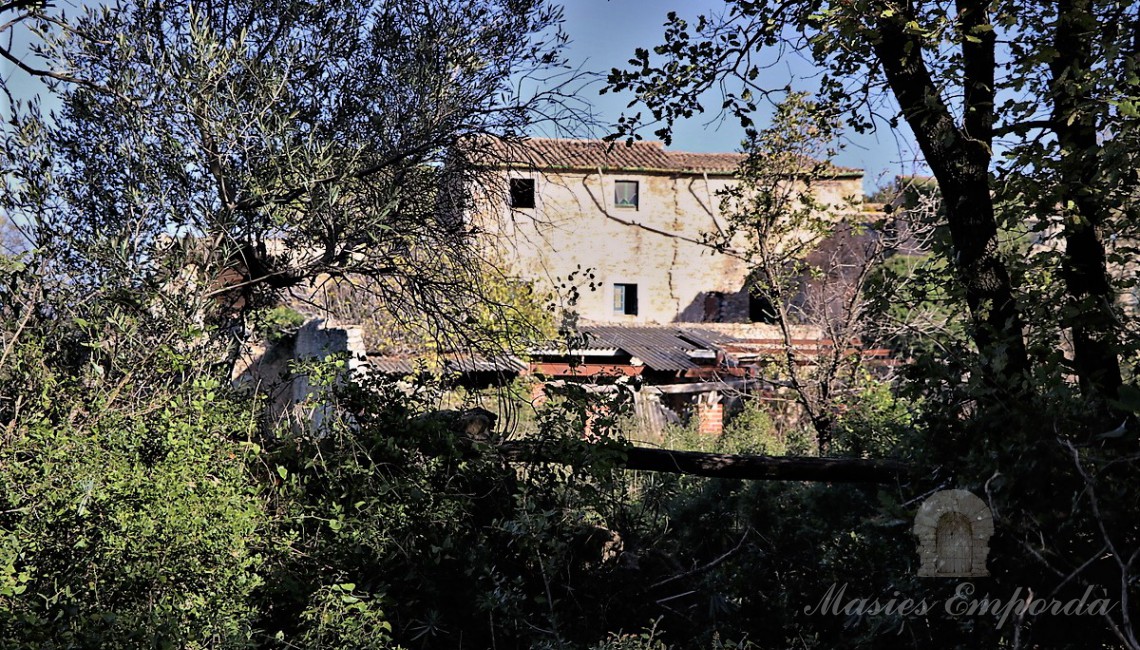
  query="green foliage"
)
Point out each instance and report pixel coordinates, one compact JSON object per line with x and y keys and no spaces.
{"x":127,"y":525}
{"x":499,"y":315}
{"x":512,"y":314}
{"x":874,"y":422}
{"x":774,"y":217}
{"x":251,"y":141}
{"x":12,"y":241}
{"x":757,"y":554}
{"x":914,"y":309}
{"x":338,"y":617}
{"x":1025,"y":116}
{"x":140,"y":506}
{"x":906,"y":193}
{"x":647,"y":640}
{"x":279,"y":323}
{"x":439,"y":538}
{"x":750,"y":431}
{"x":809,"y":260}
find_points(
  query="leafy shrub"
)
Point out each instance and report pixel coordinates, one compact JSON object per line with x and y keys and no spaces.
{"x":279,"y":323}
{"x":750,"y":431}
{"x":873,"y":423}
{"x":753,"y":431}
{"x":439,"y":537}
{"x":339,"y":617}
{"x":129,"y":525}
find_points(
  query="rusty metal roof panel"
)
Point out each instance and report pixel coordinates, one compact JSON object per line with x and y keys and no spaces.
{"x":661,"y":347}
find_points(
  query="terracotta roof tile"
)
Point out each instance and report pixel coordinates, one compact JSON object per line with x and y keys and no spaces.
{"x":710,"y":162}
{"x":585,"y":155}
{"x":546,"y":153}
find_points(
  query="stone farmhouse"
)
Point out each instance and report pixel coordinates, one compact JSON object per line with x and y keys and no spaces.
{"x":665,"y":309}
{"x":637,"y":217}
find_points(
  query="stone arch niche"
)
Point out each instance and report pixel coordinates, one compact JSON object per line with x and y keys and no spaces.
{"x":953,"y":529}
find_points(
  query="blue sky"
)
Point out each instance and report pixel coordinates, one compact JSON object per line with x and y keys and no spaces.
{"x":604,"y":34}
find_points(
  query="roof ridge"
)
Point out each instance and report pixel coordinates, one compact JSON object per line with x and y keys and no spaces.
{"x":655,"y":143}
{"x":643,"y":156}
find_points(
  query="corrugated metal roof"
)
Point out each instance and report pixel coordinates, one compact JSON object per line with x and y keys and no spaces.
{"x":460,"y":363}
{"x":475,"y":363}
{"x":392,"y":365}
{"x":658,"y":347}
{"x":576,"y":352}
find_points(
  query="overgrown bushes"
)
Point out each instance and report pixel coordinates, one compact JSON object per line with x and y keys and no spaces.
{"x":129,"y":525}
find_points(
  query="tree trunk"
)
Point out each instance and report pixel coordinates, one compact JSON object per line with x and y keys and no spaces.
{"x":960,"y":159}
{"x":1089,"y":311}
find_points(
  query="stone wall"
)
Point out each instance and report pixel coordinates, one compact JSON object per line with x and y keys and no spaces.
{"x":317,"y":340}
{"x":294,"y":401}
{"x":657,"y":246}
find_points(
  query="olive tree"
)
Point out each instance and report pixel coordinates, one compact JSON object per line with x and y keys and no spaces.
{"x":275,"y":144}
{"x":206,"y":157}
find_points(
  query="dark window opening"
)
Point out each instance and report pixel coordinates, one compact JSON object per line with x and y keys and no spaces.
{"x":760,"y":309}
{"x":714,"y":307}
{"x":625,"y":299}
{"x":522,"y":192}
{"x":625,"y":194}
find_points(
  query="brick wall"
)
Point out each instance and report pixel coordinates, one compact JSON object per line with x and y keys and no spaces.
{"x":710,"y":418}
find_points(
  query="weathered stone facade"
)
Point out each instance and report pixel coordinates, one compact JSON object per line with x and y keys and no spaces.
{"x":293,"y":400}
{"x":577,"y":224}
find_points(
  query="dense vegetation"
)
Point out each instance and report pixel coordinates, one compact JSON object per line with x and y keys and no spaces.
{"x":146,"y":500}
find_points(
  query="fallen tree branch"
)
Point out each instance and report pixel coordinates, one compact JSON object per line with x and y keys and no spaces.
{"x":748,"y":467}
{"x":700,"y":569}
{"x":475,"y":425}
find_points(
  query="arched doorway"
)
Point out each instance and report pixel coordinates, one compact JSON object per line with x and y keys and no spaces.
{"x":953,"y":544}
{"x":953,"y":529}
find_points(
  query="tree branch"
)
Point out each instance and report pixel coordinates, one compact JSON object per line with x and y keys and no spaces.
{"x":1021,"y":127}
{"x":960,"y":161}
{"x":36,"y":72}
{"x":978,"y":64}
{"x":748,"y":467}
{"x":294,"y":193}
{"x":1091,"y":315}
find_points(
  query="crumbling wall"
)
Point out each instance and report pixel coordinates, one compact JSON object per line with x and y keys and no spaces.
{"x":317,"y":340}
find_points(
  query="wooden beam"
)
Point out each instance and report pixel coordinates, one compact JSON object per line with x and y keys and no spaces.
{"x":700,"y":386}
{"x":551,"y":369}
{"x":715,"y":372}
{"x":747,"y":467}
